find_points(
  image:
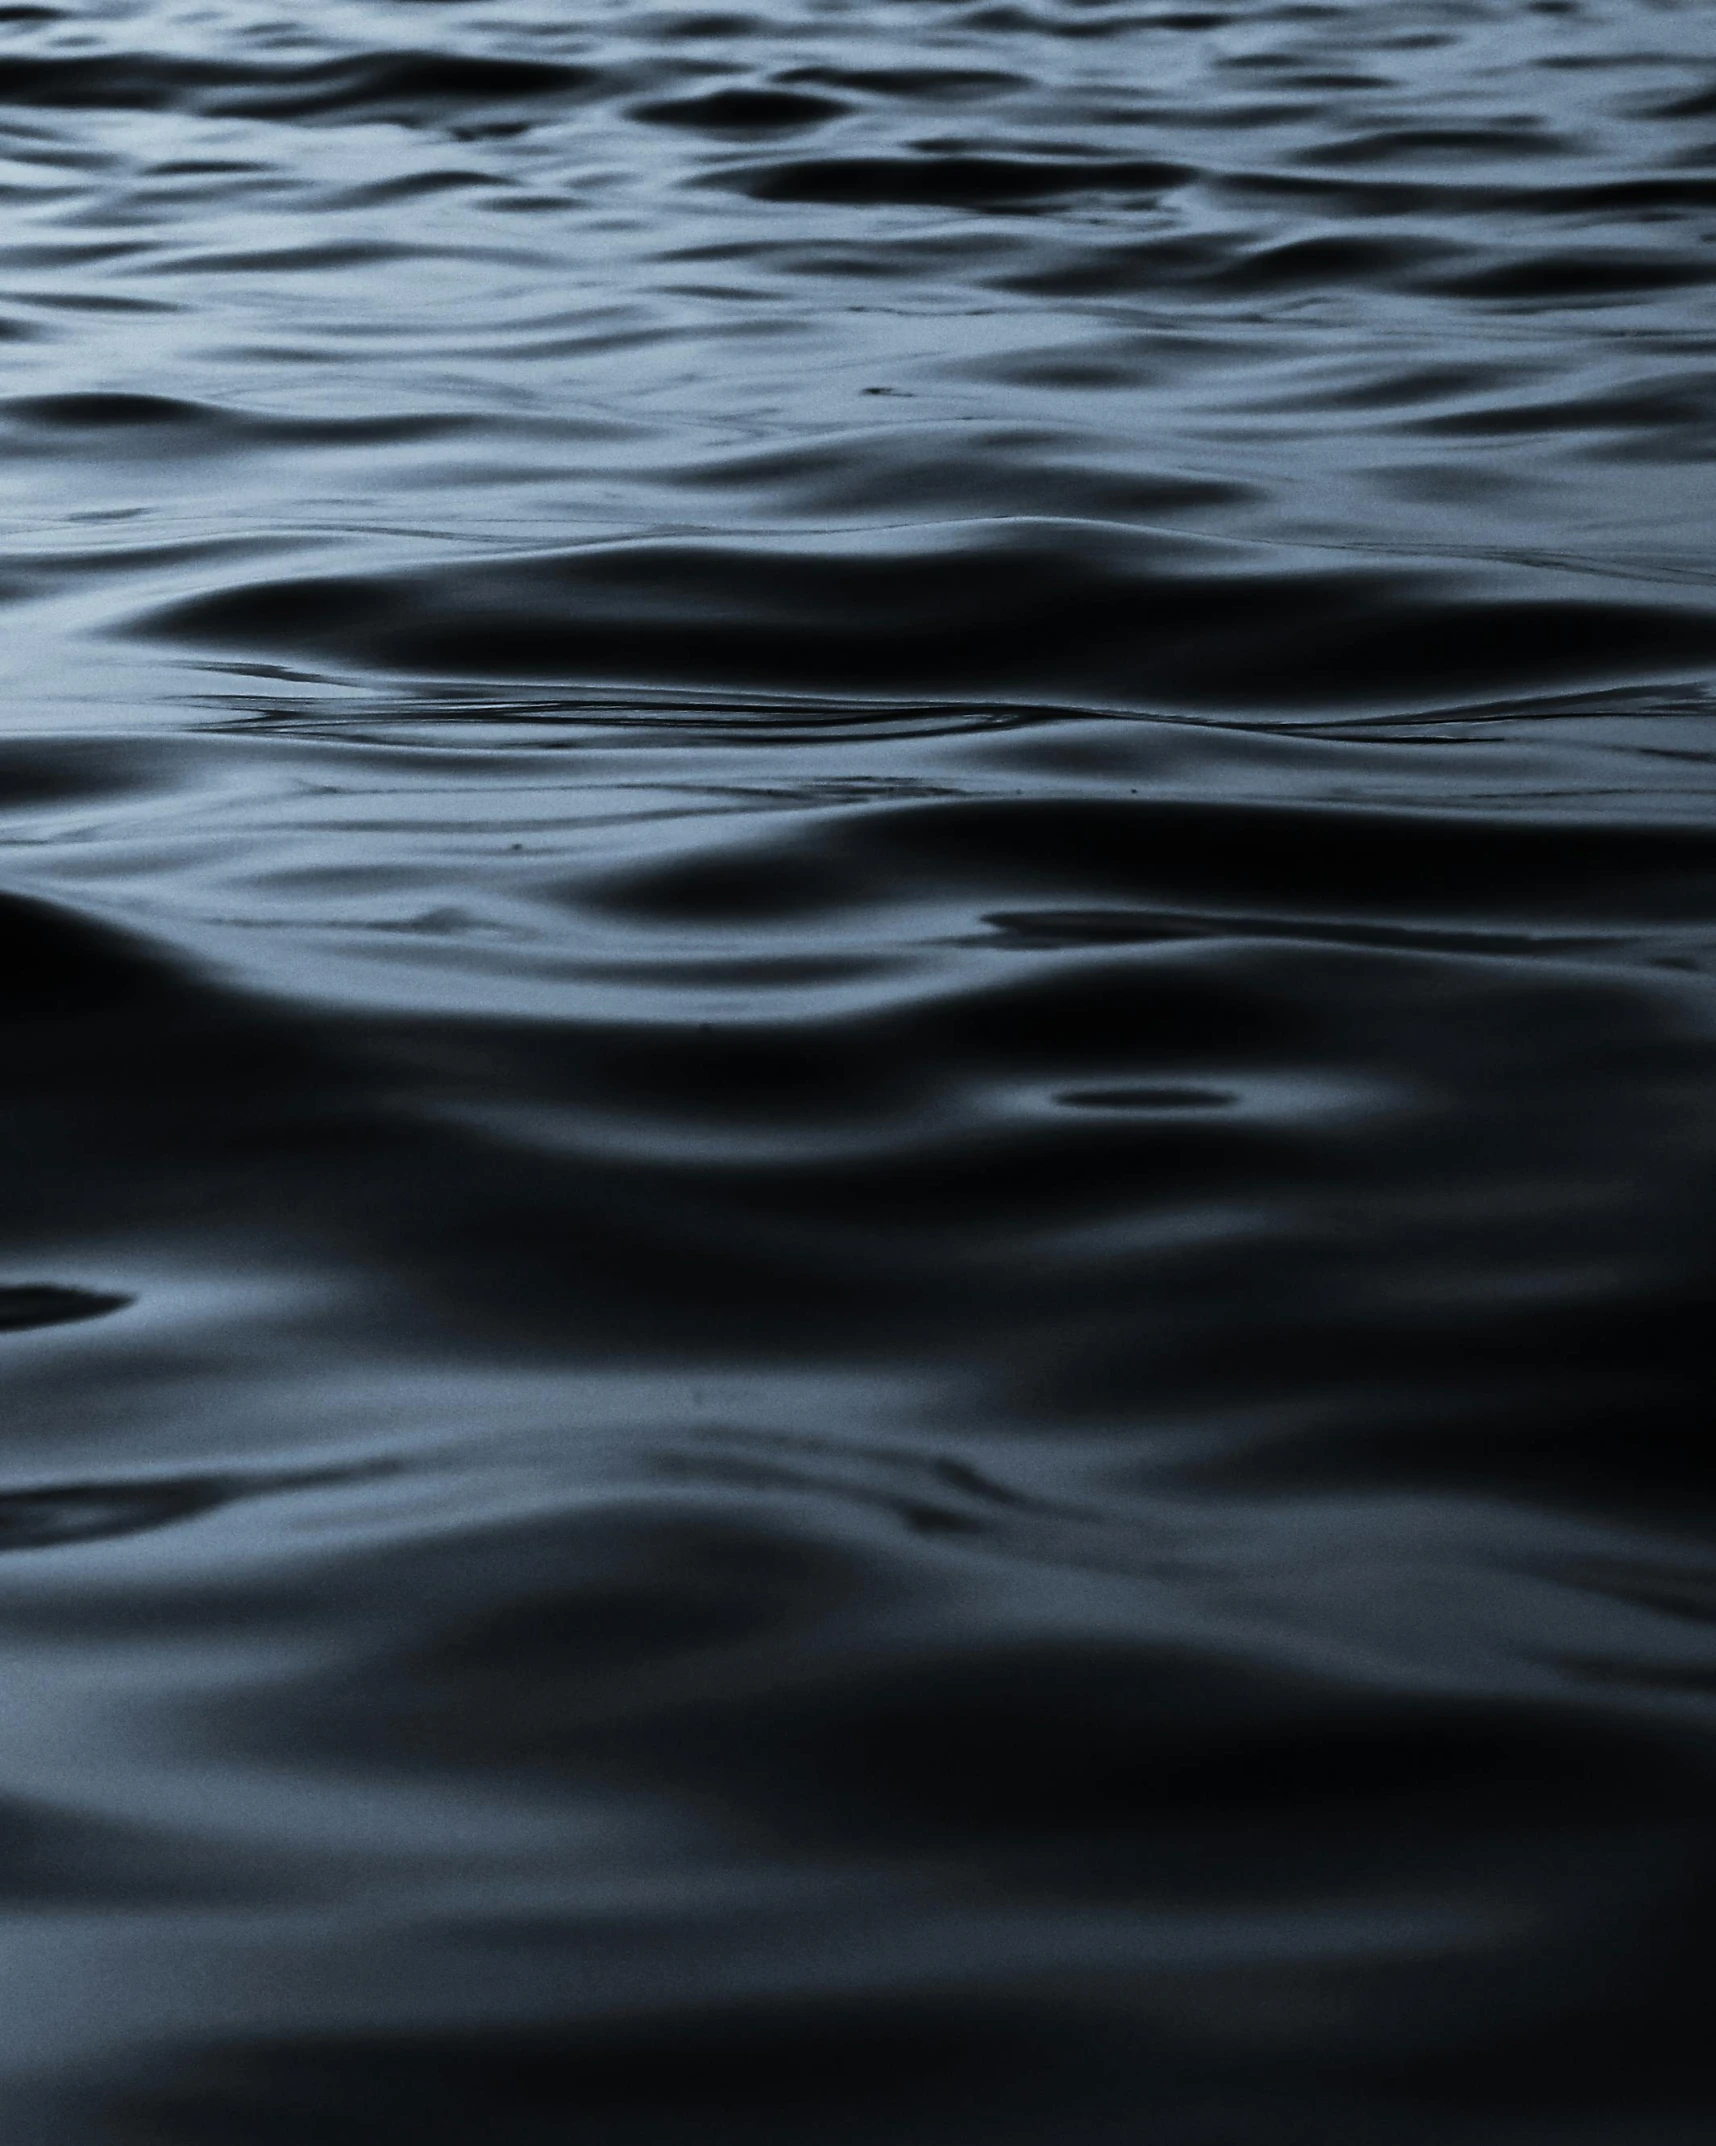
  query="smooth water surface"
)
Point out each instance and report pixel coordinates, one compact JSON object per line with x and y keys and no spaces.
{"x":858,"y":866}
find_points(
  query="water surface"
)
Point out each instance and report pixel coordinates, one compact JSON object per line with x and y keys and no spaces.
{"x":858,"y":866}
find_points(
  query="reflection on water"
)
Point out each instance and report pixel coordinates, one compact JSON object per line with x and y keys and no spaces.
{"x":858,"y":867}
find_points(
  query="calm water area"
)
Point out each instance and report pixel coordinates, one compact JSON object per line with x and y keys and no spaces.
{"x":858,"y":985}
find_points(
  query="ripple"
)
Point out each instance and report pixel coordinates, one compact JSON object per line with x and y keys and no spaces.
{"x":1053,"y":613}
{"x":742,"y":111}
{"x":1147,"y":1098}
{"x":31,"y":1304}
{"x":381,"y":85}
{"x":948,"y":181}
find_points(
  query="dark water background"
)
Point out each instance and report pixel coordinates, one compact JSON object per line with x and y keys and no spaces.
{"x":859,"y":916}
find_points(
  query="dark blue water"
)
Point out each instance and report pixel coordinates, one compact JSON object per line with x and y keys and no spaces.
{"x":858,"y":891}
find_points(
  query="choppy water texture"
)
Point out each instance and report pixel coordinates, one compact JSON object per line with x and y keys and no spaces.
{"x":858,"y":868}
